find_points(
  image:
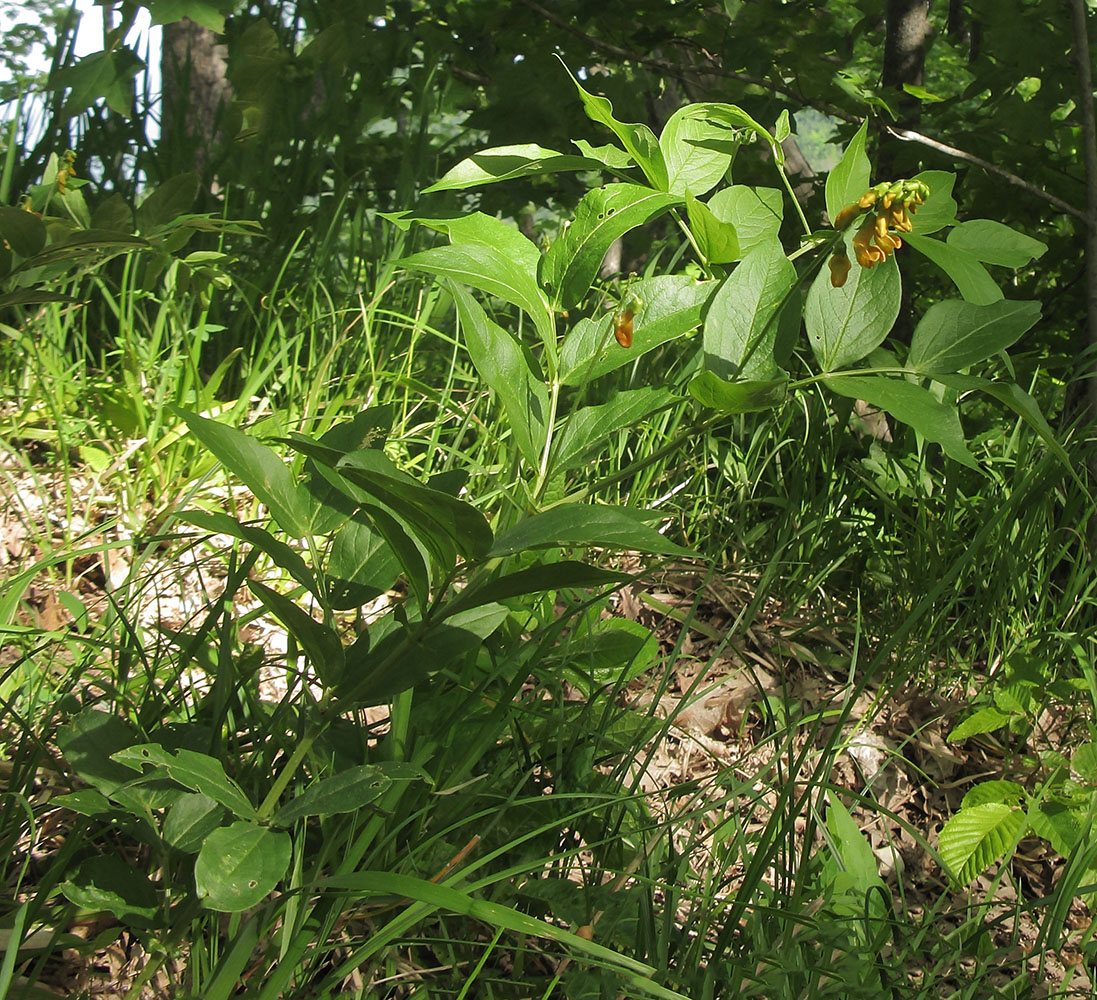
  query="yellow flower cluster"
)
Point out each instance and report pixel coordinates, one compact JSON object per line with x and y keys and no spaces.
{"x":888,"y":206}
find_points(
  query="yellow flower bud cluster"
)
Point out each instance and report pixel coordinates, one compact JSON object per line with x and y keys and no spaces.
{"x":887,"y":206}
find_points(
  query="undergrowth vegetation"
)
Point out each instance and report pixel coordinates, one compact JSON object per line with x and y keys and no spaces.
{"x":505,"y":627}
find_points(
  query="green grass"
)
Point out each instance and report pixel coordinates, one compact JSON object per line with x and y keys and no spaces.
{"x":870,"y":569}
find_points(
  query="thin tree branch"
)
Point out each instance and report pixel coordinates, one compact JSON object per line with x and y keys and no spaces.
{"x":909,"y":136}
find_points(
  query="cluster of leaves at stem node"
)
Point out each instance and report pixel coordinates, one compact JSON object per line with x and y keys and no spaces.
{"x":887,"y":206}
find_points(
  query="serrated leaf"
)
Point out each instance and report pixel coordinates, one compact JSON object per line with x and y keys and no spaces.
{"x":975,"y":838}
{"x":239,"y":865}
{"x":982,"y":720}
{"x":954,"y":335}
{"x":1007,"y":792}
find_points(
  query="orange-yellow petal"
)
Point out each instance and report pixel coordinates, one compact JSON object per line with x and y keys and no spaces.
{"x":839,"y":269}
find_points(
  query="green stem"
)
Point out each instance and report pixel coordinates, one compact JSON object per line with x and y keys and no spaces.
{"x":779,"y":160}
{"x":543,"y":471}
{"x":286,"y":774}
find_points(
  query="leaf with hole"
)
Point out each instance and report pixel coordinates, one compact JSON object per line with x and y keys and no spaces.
{"x":239,"y":865}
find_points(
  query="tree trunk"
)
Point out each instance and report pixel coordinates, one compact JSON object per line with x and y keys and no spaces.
{"x":194,"y":90}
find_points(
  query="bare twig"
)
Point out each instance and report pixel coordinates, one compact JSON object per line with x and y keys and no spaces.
{"x":1064,"y":206}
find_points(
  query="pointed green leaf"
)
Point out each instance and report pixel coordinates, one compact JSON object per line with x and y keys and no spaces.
{"x":975,"y":838}
{"x":846,"y":324}
{"x":504,"y":163}
{"x":639,"y":140}
{"x":589,"y":427}
{"x":692,"y":167}
{"x":738,"y":397}
{"x":853,"y":849}
{"x":190,"y":820}
{"x":108,"y":882}
{"x":505,"y":366}
{"x":1008,"y":792}
{"x":716,"y":240}
{"x":257,"y":467}
{"x":672,"y":306}
{"x":196,"y":771}
{"x":954,"y":335}
{"x":850,"y":177}
{"x":755,"y":212}
{"x":319,"y":642}
{"x":360,"y":566}
{"x":583,"y":526}
{"x":535,"y":580}
{"x":24,"y":231}
{"x":741,"y":323}
{"x":239,"y":865}
{"x":940,"y":207}
{"x":995,"y":243}
{"x":983,"y":720}
{"x":344,"y":792}
{"x":969,"y":276}
{"x":603,"y":215}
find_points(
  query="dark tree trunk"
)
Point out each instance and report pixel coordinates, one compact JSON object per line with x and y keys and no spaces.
{"x":195,"y":88}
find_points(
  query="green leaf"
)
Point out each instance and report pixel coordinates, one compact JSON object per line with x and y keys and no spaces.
{"x":257,"y":467}
{"x":493,"y":256}
{"x":344,"y":792}
{"x":1084,"y":762}
{"x":360,"y":566}
{"x":320,"y":643}
{"x":193,"y":818}
{"x":852,"y":848}
{"x":975,"y":838}
{"x":505,"y":366}
{"x":604,"y":214}
{"x":741,"y":322}
{"x":583,"y":526}
{"x":954,"y":335}
{"x":783,"y":129}
{"x":755,"y":212}
{"x":609,"y":155}
{"x":983,"y":720}
{"x":639,"y":140}
{"x":969,"y":276}
{"x":612,"y":653}
{"x":716,"y":240}
{"x":846,"y":324}
{"x":691,"y":167}
{"x":912,"y":405}
{"x":436,"y":515}
{"x":850,"y":177}
{"x":413,"y":561}
{"x":196,"y":771}
{"x":1058,"y":824}
{"x":24,"y":231}
{"x":108,"y":882}
{"x":1007,"y":792}
{"x":738,"y":397}
{"x":280,"y":553}
{"x":993,"y":242}
{"x":89,"y":743}
{"x":208,"y":13}
{"x":108,"y":75}
{"x":589,"y":426}
{"x":672,"y":308}
{"x":939,"y":209}
{"x":504,"y":163}
{"x":535,"y":580}
{"x":239,"y":865}
{"x":171,"y":199}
